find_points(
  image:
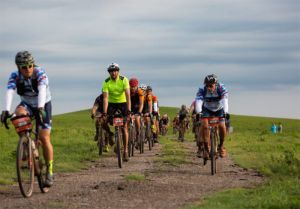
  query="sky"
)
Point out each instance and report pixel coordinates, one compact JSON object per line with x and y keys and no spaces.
{"x":253,"y":46}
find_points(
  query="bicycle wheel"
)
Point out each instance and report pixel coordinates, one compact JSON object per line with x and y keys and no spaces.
{"x":131,"y":140}
{"x":213,"y":152}
{"x":42,"y":168}
{"x":100,"y":142}
{"x":118,"y":138}
{"x":148,"y":135}
{"x":25,"y":166}
{"x":141,"y":139}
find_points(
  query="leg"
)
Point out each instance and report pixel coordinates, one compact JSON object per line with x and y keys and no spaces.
{"x":125,"y":141}
{"x":222,"y":132}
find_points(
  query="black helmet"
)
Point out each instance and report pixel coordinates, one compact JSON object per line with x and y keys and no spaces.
{"x":149,"y":88}
{"x":24,"y":58}
{"x":210,"y":79}
{"x":113,"y":67}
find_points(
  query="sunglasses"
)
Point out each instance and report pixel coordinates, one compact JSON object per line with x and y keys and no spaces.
{"x":112,"y":70}
{"x":25,"y":67}
{"x":210,"y":86}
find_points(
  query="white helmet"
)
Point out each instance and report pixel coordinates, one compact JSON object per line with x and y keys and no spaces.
{"x":143,"y":87}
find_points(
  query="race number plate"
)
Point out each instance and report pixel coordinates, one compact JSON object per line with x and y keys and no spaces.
{"x":118,"y":121}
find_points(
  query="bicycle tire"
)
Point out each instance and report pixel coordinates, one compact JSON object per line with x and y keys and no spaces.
{"x":131,"y":141}
{"x":213,"y":152}
{"x":141,"y":139}
{"x":118,"y":138}
{"x":100,"y":140}
{"x":148,"y":135}
{"x":41,"y":176}
{"x":25,"y":166}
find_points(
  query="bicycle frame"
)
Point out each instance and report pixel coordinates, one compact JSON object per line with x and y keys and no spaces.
{"x":213,"y":124}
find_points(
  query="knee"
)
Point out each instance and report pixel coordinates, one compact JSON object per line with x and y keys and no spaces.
{"x":21,"y":111}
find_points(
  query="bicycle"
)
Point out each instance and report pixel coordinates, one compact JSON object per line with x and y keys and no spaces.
{"x":142,"y":136}
{"x":163,"y":130}
{"x":118,"y":123}
{"x":148,"y":133}
{"x":213,"y":124}
{"x":199,"y":140}
{"x":102,"y":135}
{"x":28,"y":162}
{"x":182,"y":129}
{"x":131,"y":136}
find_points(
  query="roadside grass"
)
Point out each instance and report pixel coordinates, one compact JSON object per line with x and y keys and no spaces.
{"x":72,"y":139}
{"x":276,"y":156}
{"x":135,"y":177}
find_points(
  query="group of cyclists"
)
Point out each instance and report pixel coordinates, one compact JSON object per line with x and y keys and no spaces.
{"x":118,"y":94}
{"x":130,"y":98}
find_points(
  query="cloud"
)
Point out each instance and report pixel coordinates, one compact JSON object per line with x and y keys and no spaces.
{"x":251,"y":45}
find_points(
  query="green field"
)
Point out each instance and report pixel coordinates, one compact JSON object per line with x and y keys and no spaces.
{"x":251,"y":145}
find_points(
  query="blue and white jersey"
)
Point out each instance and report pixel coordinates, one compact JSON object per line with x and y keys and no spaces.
{"x":28,"y":88}
{"x":213,"y":101}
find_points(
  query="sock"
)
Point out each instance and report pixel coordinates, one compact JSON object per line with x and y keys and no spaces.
{"x":50,"y":167}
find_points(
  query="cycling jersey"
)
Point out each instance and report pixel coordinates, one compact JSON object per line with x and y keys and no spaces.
{"x":154,"y":104}
{"x":135,"y":99}
{"x":33,"y":91}
{"x":148,"y":98}
{"x":213,"y":101}
{"x":116,"y":89}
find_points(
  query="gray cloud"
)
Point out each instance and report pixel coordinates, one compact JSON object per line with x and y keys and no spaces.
{"x":251,"y":45}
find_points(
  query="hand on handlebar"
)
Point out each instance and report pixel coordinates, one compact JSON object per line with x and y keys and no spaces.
{"x":4,"y":116}
{"x":42,"y":114}
{"x":227,"y":116}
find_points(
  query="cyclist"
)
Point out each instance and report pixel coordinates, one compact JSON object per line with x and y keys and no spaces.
{"x":137,"y":104}
{"x":155,"y":114}
{"x":116,"y":96}
{"x":192,"y":111}
{"x":183,"y":117}
{"x":176,"y":124}
{"x":164,"y":122}
{"x":147,"y":109}
{"x":212,"y":100}
{"x":31,"y":83}
{"x":97,"y":109}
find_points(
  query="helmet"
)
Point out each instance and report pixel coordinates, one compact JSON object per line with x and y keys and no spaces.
{"x":24,"y":58}
{"x":165,"y":116}
{"x":211,"y":79}
{"x":183,"y":107}
{"x":143,"y":87}
{"x":113,"y":67}
{"x":149,"y":88}
{"x":133,"y":82}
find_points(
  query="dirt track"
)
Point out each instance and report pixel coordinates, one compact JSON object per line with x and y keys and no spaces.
{"x":103,"y":184}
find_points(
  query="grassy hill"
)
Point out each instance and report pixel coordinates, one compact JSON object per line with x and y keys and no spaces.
{"x":251,"y":145}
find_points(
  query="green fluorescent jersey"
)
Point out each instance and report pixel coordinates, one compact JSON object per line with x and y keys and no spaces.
{"x":116,"y":89}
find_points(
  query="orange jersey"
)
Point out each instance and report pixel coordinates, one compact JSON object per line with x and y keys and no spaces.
{"x":135,"y":99}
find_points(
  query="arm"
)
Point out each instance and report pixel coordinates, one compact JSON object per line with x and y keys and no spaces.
{"x":8,"y":99}
{"x":128,"y":100}
{"x":141,"y":102}
{"x":105,"y":102}
{"x":42,"y":96}
{"x":150,"y":105}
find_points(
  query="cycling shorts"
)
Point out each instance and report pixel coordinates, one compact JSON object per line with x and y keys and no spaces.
{"x":208,"y":113}
{"x":34,"y":112}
